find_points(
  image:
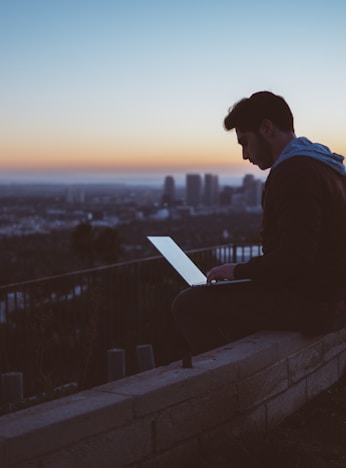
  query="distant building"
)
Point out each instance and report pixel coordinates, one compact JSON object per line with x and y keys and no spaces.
{"x":211,"y":189}
{"x":193,"y":189}
{"x":168,"y":195}
{"x":252,"y":190}
{"x":238,"y":201}
{"x":226,"y":195}
{"x":75,"y":195}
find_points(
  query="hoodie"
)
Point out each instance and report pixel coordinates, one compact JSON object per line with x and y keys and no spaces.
{"x":303,"y":223}
{"x":303,"y":147}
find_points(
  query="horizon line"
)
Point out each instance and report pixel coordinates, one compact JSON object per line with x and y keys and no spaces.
{"x":82,"y":177}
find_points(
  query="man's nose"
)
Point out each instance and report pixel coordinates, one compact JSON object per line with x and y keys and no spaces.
{"x":245,"y":154}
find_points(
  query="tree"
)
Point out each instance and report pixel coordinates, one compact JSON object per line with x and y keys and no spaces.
{"x":82,"y":242}
{"x":101,"y":243}
{"x":107,"y":244}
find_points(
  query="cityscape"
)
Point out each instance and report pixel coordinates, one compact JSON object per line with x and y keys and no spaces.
{"x":44,"y":208}
{"x":72,"y":253}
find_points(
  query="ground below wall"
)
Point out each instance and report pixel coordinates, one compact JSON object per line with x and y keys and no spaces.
{"x":167,"y":416}
{"x":313,"y":437}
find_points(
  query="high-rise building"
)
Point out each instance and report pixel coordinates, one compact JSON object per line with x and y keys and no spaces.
{"x":226,"y":195}
{"x":75,"y":195}
{"x":193,"y":189}
{"x":252,"y":189}
{"x":211,"y":189}
{"x":168,"y":195}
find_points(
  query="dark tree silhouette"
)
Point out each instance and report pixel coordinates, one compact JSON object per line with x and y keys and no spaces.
{"x":82,"y":242}
{"x":107,"y":244}
{"x":91,"y":244}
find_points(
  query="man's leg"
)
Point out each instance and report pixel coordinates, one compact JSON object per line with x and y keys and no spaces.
{"x":211,"y":316}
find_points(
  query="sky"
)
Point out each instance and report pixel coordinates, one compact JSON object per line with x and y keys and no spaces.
{"x":140,"y":88}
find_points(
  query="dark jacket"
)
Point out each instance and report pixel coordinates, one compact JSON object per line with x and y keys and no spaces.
{"x":303,"y":230}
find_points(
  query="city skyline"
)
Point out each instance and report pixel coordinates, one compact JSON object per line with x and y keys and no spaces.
{"x":158,"y":180}
{"x":117,"y":90}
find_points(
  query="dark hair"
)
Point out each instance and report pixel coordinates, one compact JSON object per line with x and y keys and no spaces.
{"x":248,"y":113}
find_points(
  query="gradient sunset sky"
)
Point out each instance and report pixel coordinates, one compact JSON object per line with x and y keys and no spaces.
{"x":142,"y":86}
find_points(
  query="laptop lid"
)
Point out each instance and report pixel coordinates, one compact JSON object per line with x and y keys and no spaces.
{"x":178,"y":259}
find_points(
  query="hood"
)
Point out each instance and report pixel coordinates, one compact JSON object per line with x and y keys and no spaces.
{"x":303,"y":147}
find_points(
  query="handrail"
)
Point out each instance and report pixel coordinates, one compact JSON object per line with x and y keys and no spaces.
{"x":57,"y":329}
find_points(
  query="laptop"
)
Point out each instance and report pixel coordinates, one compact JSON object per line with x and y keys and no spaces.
{"x":183,"y":264}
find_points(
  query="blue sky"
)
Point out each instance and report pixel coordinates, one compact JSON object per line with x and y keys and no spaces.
{"x":142,"y":87}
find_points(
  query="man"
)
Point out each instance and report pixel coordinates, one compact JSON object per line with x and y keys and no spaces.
{"x":299,"y":281}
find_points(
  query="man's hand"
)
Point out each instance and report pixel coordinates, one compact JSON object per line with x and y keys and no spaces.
{"x":222,"y":272}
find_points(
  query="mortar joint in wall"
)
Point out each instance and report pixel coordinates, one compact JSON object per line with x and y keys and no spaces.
{"x":236,"y":392}
{"x":289,"y":379}
{"x":153,"y":428}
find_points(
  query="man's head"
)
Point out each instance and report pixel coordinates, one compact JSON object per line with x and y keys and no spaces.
{"x":264,"y":125}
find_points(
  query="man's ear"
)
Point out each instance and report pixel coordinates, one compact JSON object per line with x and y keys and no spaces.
{"x":266,"y":128}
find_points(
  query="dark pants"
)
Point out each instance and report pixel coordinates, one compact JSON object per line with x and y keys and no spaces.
{"x":210,"y":316}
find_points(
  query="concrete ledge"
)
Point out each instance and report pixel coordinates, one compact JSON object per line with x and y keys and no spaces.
{"x":164,"y":416}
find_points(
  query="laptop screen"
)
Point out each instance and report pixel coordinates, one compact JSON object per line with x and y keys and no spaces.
{"x":178,"y":259}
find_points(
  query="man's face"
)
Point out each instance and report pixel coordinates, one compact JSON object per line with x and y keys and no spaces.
{"x":255,"y":148}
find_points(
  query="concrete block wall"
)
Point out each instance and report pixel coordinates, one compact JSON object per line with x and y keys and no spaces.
{"x":167,"y":417}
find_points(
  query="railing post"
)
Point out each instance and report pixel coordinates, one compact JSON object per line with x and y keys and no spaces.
{"x":145,"y":357}
{"x":12,"y":387}
{"x":139,"y":305}
{"x":116,"y":365}
{"x":110,"y":307}
{"x":234,"y":253}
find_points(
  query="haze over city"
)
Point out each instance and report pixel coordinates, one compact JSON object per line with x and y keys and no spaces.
{"x":113,"y":90}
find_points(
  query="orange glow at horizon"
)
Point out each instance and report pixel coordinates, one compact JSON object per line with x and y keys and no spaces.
{"x":94,"y":155}
{"x":212,"y":155}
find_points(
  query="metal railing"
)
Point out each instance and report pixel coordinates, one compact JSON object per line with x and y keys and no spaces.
{"x":57,"y":330}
